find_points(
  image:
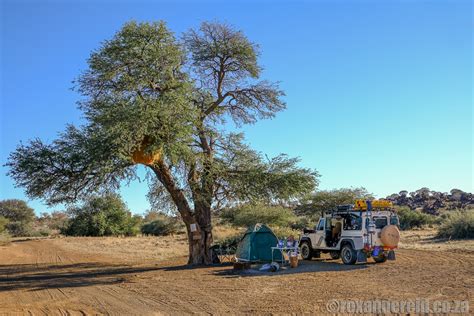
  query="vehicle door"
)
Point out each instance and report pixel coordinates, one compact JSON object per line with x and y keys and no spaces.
{"x":318,"y":238}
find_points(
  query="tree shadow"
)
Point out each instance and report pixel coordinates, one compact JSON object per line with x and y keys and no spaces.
{"x":46,"y":276}
{"x":313,"y":266}
{"x":185,"y":267}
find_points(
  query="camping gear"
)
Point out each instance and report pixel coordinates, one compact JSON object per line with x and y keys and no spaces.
{"x":279,"y":251}
{"x":265,"y":267}
{"x":366,"y":205}
{"x":274,"y":267}
{"x":242,"y":265}
{"x":256,"y":245}
{"x":293,"y":260}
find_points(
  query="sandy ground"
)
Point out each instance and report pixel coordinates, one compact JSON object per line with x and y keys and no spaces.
{"x":147,"y":276}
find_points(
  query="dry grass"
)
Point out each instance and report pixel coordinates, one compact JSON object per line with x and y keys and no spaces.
{"x":146,"y":249}
{"x":133,"y":249}
{"x":221,"y":232}
{"x":140,"y":248}
{"x":426,"y":239}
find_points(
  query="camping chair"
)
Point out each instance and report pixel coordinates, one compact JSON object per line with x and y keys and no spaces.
{"x":224,"y":254}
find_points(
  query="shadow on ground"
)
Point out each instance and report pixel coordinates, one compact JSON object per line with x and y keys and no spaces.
{"x":314,"y":266}
{"x":47,"y":276}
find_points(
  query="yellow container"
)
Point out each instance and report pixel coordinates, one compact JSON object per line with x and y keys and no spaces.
{"x":362,"y":205}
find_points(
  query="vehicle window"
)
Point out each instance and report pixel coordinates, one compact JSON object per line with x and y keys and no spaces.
{"x":352,"y":222}
{"x":380,"y":222}
{"x":394,"y":220}
{"x":321,"y":224}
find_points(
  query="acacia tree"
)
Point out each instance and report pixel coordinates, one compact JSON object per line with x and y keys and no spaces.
{"x":152,"y":99}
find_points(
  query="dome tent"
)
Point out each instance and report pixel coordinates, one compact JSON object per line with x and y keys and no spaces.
{"x":255,"y":245}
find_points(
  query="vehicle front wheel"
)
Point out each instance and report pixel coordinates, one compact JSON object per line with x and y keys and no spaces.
{"x":380,"y":259}
{"x":306,"y":251}
{"x":348,"y":255}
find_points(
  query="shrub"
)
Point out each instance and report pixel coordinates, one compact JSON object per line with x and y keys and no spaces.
{"x":16,"y":211}
{"x":251,"y":214}
{"x":284,"y":232}
{"x":3,"y":224}
{"x":412,"y":218}
{"x":56,"y":220}
{"x":304,"y":222}
{"x":19,"y":215}
{"x":162,"y":226}
{"x":18,"y":228}
{"x":457,"y":225}
{"x":100,"y":216}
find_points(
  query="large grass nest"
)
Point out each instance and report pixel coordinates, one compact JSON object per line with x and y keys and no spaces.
{"x":141,"y":155}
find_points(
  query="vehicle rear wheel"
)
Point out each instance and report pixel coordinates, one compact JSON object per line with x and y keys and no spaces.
{"x":306,"y":251}
{"x":348,"y":255}
{"x":335,"y":254}
{"x":380,"y":259}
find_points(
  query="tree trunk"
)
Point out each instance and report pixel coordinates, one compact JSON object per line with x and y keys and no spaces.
{"x":198,"y":221}
{"x":200,"y":238}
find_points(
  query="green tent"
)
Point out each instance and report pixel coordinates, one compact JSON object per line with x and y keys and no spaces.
{"x":256,"y":245}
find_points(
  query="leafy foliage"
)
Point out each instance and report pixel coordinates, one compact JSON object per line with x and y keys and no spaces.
{"x":162,"y":225}
{"x":16,"y":211}
{"x":251,"y":214}
{"x":55,"y":221}
{"x":410,"y":219}
{"x":100,"y":216}
{"x":19,"y":215}
{"x":285,"y":232}
{"x":458,"y":225}
{"x":321,"y":201}
{"x":3,"y":224}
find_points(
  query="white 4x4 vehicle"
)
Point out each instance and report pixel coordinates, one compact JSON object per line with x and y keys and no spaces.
{"x":354,"y":233}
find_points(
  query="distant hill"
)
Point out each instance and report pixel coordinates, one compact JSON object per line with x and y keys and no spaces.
{"x":432,"y":201}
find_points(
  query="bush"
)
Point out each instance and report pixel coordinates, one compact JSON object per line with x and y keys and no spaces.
{"x":55,"y":221}
{"x":304,"y":222}
{"x":133,"y":225}
{"x":18,"y":228}
{"x":284,"y":232}
{"x":19,"y":215}
{"x":410,"y":219}
{"x":251,"y":214}
{"x":16,"y":211}
{"x":3,"y":224}
{"x":162,"y":226}
{"x":100,"y":216}
{"x":457,"y":225}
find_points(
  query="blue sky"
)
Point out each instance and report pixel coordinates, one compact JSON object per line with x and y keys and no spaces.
{"x":379,"y":93}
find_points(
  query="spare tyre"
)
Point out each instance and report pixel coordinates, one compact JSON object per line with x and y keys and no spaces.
{"x":390,"y":236}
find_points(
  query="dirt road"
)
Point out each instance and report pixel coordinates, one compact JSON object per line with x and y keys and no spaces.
{"x":50,"y":277}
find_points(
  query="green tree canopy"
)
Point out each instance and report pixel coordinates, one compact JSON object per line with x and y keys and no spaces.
{"x":325,"y":200}
{"x":150,"y":98}
{"x":252,"y":213}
